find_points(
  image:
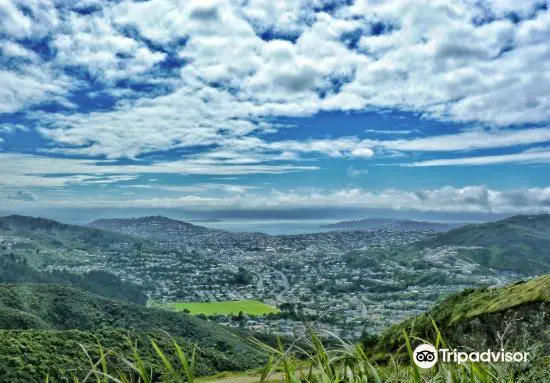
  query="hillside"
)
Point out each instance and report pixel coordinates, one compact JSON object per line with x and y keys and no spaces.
{"x":55,"y":233}
{"x":393,"y":224}
{"x":158,"y":227}
{"x":36,"y":250}
{"x":54,"y":317}
{"x":477,"y":317}
{"x":16,"y":270}
{"x":520,"y":243}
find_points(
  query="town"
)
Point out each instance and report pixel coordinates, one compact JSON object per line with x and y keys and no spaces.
{"x":350,"y":282}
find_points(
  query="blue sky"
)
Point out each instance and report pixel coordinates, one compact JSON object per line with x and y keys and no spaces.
{"x":426,"y":106}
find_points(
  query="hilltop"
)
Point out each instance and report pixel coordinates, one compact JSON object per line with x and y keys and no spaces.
{"x":48,"y":321}
{"x":150,"y":226}
{"x":393,"y":224}
{"x":520,"y":243}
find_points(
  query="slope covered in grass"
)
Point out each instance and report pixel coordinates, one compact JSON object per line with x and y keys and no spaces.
{"x":487,"y":301}
{"x":29,"y":355}
{"x":478,"y":317}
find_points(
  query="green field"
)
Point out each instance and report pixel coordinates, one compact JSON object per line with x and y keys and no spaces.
{"x":224,"y":308}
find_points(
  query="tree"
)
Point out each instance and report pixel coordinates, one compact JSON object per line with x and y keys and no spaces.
{"x":243,"y":277}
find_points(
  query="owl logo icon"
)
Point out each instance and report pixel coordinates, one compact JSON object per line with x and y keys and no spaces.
{"x":425,"y":356}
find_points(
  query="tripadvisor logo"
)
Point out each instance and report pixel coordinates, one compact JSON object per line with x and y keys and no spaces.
{"x":426,"y":356}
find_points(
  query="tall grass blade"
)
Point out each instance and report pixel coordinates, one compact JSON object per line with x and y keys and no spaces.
{"x":415,"y":369}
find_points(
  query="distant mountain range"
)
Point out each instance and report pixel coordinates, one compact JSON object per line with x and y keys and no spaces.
{"x":520,"y":243}
{"x":393,"y":224}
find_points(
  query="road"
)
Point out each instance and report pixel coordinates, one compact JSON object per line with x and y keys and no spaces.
{"x":284,"y":282}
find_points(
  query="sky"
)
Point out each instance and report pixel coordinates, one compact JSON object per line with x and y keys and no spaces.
{"x":425,"y":106}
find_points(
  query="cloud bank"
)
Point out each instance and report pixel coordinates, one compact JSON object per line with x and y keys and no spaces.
{"x":448,"y":199}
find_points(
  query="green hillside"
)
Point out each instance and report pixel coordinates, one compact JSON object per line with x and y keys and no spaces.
{"x":59,"y":307}
{"x":476,"y":317}
{"x":16,"y":270}
{"x":520,"y":243}
{"x":48,"y":321}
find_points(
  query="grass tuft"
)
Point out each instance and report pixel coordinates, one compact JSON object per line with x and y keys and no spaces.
{"x":313,"y":361}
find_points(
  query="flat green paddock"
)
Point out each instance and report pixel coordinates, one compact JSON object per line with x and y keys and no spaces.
{"x":224,"y":308}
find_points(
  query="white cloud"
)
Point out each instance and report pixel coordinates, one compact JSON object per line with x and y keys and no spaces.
{"x":29,"y":80}
{"x":282,"y":17}
{"x":471,"y":140}
{"x":19,"y":170}
{"x":437,"y":61}
{"x":11,"y":49}
{"x":16,"y":23}
{"x":504,"y":7}
{"x":533,"y":157}
{"x":93,"y":43}
{"x":29,"y":85}
{"x":194,"y":188}
{"x":390,"y":132}
{"x":10,"y":128}
{"x":90,"y":179}
{"x":340,"y":147}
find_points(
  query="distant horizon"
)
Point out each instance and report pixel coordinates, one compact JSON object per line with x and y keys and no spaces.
{"x":84,"y":216}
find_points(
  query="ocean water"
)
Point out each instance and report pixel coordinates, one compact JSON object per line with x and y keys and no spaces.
{"x":271,"y":227}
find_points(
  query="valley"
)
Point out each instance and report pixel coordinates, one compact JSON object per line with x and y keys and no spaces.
{"x":351,"y":283}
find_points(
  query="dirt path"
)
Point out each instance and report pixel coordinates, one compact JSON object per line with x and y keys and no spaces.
{"x":276,"y":377}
